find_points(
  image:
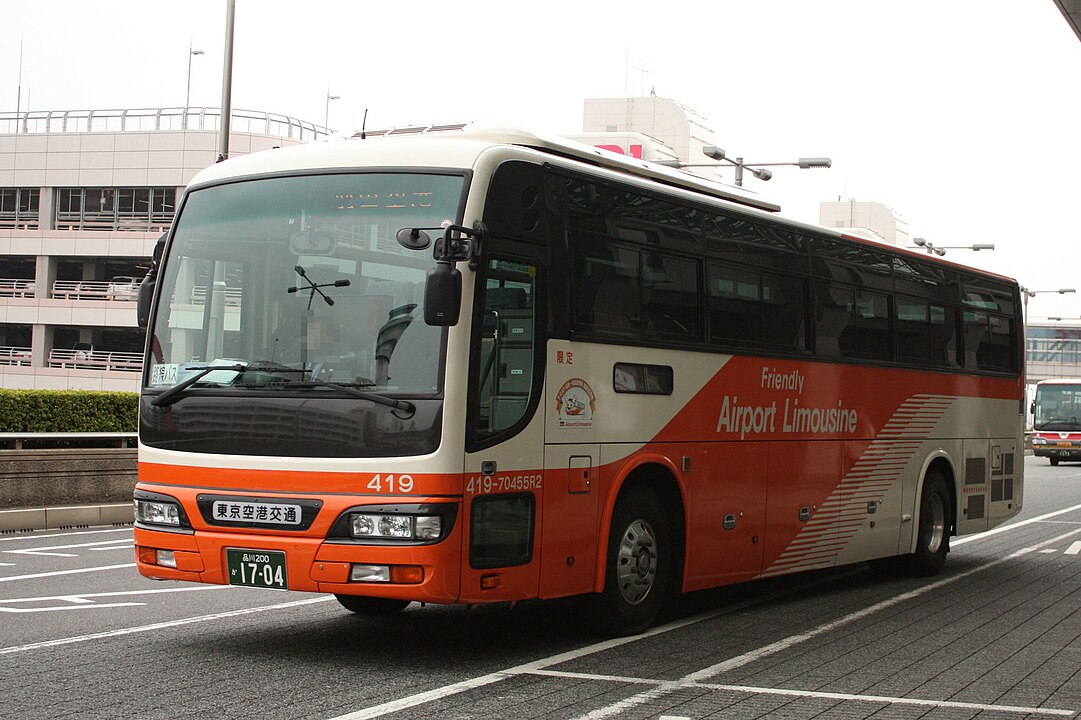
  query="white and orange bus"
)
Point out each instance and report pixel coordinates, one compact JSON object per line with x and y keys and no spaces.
{"x":474,"y":367}
{"x":1056,"y":420}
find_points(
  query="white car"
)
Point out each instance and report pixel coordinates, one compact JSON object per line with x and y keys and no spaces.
{"x":123,"y":287}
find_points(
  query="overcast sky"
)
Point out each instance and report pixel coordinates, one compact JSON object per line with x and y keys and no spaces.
{"x":962,"y":115}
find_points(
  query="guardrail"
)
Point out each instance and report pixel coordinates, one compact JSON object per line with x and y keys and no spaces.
{"x":15,"y":355}
{"x":95,"y":290}
{"x":156,"y":120}
{"x":95,"y":360}
{"x":52,"y":441}
{"x":16,"y":287}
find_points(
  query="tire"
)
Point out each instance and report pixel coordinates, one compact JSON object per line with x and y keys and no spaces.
{"x":370,"y":605}
{"x":639,"y":564}
{"x":1054,"y":461}
{"x":933,"y":534}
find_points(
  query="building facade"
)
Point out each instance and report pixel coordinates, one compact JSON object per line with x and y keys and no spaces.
{"x":84,"y":195}
{"x":871,"y":220}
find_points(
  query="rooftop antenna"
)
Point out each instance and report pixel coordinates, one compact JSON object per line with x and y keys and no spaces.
{"x":364,"y":124}
{"x":19,"y":96}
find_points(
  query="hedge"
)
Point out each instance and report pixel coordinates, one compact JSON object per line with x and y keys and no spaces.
{"x":68,"y":411}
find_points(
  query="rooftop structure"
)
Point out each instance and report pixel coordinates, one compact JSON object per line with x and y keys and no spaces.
{"x":84,"y":194}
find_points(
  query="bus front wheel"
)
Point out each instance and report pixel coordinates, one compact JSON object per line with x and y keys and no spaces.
{"x":936,"y":514}
{"x":371,"y":605}
{"x":639,"y":564}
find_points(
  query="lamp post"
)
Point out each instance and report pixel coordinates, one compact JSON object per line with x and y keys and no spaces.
{"x":1030,"y":293}
{"x":756,"y":168}
{"x":187,"y":95}
{"x":326,"y":115}
{"x":941,"y":249}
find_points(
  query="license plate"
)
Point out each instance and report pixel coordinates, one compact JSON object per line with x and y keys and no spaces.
{"x":256,"y":568}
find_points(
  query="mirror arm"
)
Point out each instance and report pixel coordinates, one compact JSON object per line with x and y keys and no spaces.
{"x":461,"y":243}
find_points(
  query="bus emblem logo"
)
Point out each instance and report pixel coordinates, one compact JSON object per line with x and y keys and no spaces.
{"x":575,"y":404}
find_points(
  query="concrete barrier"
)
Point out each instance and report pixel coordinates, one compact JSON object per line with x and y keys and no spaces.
{"x":66,"y":487}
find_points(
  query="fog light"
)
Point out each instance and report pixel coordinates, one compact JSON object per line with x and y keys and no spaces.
{"x":167,"y":558}
{"x":369,"y":573}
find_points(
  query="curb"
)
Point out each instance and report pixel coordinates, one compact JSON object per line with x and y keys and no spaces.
{"x":65,"y":518}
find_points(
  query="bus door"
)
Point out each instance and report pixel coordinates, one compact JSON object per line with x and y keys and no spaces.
{"x":504,"y":464}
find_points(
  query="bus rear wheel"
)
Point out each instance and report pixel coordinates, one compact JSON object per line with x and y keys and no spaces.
{"x":639,"y":564}
{"x":370,"y":605}
{"x":933,"y":538}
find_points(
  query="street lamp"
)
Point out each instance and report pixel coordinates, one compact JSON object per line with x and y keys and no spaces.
{"x":326,"y":115}
{"x":187,"y":96}
{"x":1030,"y":293}
{"x":757,"y":168}
{"x":941,"y":249}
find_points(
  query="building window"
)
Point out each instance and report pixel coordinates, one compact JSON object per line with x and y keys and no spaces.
{"x":19,"y":208}
{"x":123,"y":208}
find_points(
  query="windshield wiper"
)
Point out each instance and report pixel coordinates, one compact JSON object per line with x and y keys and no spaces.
{"x":404,"y":407}
{"x":173,"y":394}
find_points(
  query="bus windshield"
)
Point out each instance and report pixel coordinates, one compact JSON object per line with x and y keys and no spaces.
{"x":1058,"y":407}
{"x":296,"y":287}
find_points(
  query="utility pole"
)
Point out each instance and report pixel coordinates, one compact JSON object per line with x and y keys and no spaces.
{"x":227,"y":83}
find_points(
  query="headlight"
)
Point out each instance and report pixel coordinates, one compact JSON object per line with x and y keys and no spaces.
{"x":157,"y":512}
{"x":1039,"y":441}
{"x":396,"y":527}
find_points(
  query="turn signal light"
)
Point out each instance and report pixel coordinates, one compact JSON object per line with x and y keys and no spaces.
{"x":490,"y":582}
{"x":407,"y":574}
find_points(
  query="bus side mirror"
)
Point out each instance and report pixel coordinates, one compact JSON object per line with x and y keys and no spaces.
{"x":442,"y":295}
{"x":146,"y":287}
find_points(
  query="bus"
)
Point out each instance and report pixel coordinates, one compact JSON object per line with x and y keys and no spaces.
{"x":1056,"y":424}
{"x":487,"y":366}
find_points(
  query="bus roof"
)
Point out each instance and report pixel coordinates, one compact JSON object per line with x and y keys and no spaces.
{"x":459,"y":147}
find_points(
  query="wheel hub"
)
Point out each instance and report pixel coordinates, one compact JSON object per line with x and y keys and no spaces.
{"x":636,"y":570}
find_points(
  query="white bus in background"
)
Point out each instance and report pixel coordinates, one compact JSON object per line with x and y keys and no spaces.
{"x":1056,"y":422}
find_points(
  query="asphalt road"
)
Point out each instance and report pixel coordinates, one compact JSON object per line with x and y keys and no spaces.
{"x":996,"y":635}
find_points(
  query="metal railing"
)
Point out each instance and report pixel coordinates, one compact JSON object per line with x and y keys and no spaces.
{"x":155,"y":120}
{"x":41,"y":440}
{"x":95,"y":290}
{"x":16,"y":288}
{"x":15,"y":355}
{"x":95,"y":360}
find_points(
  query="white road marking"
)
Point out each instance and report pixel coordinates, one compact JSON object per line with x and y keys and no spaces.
{"x":697,"y":678}
{"x":1074,"y":549}
{"x":44,"y":550}
{"x":755,"y":690}
{"x":159,"y":626}
{"x":1011,"y":526}
{"x":86,"y":601}
{"x":65,"y":572}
